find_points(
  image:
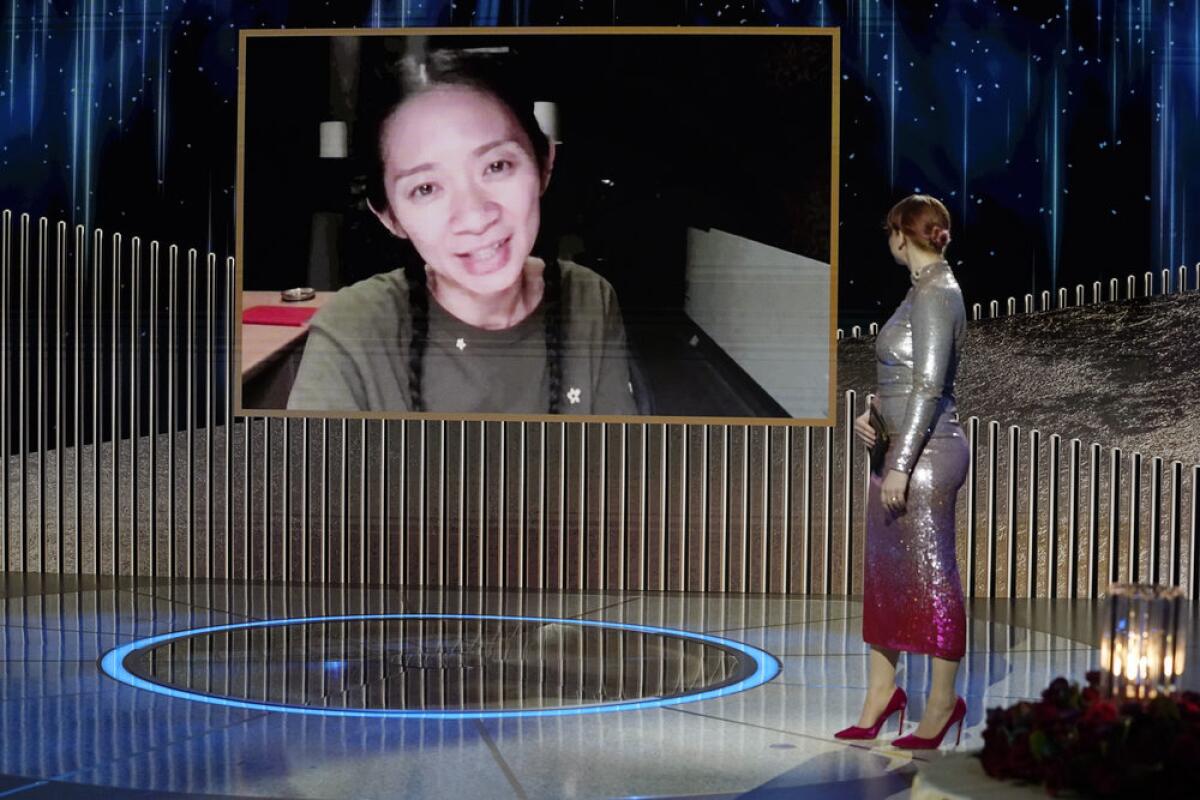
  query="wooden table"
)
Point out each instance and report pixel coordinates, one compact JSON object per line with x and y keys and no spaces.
{"x":263,"y":345}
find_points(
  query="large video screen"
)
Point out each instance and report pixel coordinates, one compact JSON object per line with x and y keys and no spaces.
{"x":618,"y":225}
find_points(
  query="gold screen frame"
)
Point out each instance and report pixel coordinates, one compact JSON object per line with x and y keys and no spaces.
{"x":833,"y":34}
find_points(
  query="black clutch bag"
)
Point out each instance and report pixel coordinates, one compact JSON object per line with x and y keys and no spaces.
{"x":880,"y":448}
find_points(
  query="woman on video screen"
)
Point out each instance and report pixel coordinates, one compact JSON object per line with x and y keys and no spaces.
{"x":471,"y":319}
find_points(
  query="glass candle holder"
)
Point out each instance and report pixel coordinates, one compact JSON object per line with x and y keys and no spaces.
{"x":1142,"y":644}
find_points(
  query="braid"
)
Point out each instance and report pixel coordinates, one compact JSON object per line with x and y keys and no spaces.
{"x":418,"y":313}
{"x":552,"y":303}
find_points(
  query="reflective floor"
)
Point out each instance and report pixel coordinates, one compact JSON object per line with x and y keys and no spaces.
{"x":620,"y":695}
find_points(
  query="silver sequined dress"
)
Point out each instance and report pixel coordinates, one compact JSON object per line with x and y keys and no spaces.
{"x":912,"y":596}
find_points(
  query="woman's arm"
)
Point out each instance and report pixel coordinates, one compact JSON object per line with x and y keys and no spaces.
{"x":935,"y":312}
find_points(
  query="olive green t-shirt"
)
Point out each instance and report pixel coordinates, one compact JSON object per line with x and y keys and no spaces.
{"x":356,"y":357}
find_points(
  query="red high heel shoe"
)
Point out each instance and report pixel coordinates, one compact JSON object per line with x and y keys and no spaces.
{"x":914,"y":742}
{"x":899,"y":702}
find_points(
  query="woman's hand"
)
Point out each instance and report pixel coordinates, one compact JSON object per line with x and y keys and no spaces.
{"x":893,"y":491}
{"x":863,"y":429}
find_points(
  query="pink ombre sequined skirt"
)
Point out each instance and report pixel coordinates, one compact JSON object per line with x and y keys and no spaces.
{"x":912,"y":596}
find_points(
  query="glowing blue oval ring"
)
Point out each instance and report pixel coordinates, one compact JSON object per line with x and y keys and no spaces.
{"x":766,"y":667}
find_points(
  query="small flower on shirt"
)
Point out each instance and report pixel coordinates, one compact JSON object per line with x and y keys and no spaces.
{"x":574,"y":395}
{"x":461,"y":344}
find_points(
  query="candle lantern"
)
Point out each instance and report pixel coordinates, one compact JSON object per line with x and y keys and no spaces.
{"x":1142,"y":644}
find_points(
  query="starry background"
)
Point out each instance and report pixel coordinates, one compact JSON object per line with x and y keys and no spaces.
{"x":1064,"y":136}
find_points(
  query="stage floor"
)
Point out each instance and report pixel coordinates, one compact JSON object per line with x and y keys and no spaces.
{"x":575,"y":708}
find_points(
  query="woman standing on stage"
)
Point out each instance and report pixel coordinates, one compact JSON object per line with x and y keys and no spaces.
{"x":912,"y":597}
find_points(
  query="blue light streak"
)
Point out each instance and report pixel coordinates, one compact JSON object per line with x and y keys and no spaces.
{"x":1055,"y":194}
{"x":767,"y":667}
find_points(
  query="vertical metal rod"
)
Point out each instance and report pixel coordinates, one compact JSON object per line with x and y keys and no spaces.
{"x":1114,"y":510}
{"x":326,"y":570}
{"x":305,"y":490}
{"x":40,"y":391}
{"x":705,"y":459}
{"x":344,"y":487}
{"x":1053,"y":545}
{"x":543,"y":494}
{"x":1073,"y":522}
{"x":385,"y":536}
{"x":765,"y":546}
{"x":561,"y":561}
{"x":1147,"y":284}
{"x":787,"y":507}
{"x":462,"y":508}
{"x":77,"y":391}
{"x":246,"y":524}
{"x":1156,"y":476}
{"x":97,"y":376}
{"x":230,"y":377}
{"x":6,"y":359}
{"x":726,"y":527}
{"x":422,"y":511}
{"x":625,"y":548}
{"x":268,"y":511}
{"x":152,"y":405}
{"x":1014,"y":445}
{"x":1114,"y":290}
{"x":1135,"y":518}
{"x":1031,"y":519}
{"x":173,"y":405}
{"x":972,"y":494}
{"x":190,"y":413}
{"x":443,"y":498}
{"x":664,"y":464}
{"x":522,"y":488}
{"x":59,"y":393}
{"x":745,"y":506}
{"x":481,"y":539}
{"x":1176,"y":520}
{"x":285,"y":501}
{"x":210,"y":417}
{"x":848,"y":408}
{"x":993,"y":466}
{"x":135,"y":319}
{"x":808,"y":508}
{"x":583,"y":503}
{"x":114,"y":385}
{"x":602,"y":528}
{"x":1193,"y":585}
{"x":363,"y":543}
{"x":827,"y":580}
{"x":1094,"y":522}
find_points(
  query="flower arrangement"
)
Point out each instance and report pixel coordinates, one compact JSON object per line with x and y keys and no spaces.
{"x":1077,"y":739}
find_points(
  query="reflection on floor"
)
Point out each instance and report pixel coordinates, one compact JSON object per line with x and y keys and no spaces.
{"x":69,"y":730}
